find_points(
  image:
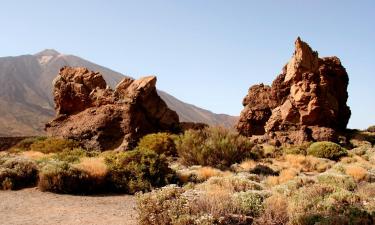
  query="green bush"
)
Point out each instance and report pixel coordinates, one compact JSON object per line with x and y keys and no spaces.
{"x":138,"y":170}
{"x":164,"y":206}
{"x":53,"y":145}
{"x":62,"y":177}
{"x":17,"y":173}
{"x":326,"y":149}
{"x":371,"y":128}
{"x":73,"y":155}
{"x":297,"y":149}
{"x":249,"y":203}
{"x":216,"y":147}
{"x":25,"y":144}
{"x":161,"y":143}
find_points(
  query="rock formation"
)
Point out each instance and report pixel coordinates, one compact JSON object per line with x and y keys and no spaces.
{"x":306,"y":102}
{"x":101,"y":118}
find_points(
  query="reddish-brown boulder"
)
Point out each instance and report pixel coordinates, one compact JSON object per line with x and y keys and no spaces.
{"x":101,"y":118}
{"x":308,"y":100}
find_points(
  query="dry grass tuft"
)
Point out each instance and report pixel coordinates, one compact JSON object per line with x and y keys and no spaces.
{"x":308,"y":163}
{"x":33,"y":155}
{"x":275,"y":211}
{"x":285,"y":175}
{"x":95,"y":167}
{"x":248,"y":165}
{"x":357,"y":172}
{"x":204,"y":173}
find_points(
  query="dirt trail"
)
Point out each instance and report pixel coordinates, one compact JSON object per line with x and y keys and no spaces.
{"x":32,"y":207}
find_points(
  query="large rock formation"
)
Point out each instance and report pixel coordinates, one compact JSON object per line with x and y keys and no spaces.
{"x":101,"y":118}
{"x":306,"y":102}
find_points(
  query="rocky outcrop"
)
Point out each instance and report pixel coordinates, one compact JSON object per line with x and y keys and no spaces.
{"x":101,"y":118}
{"x":306,"y":102}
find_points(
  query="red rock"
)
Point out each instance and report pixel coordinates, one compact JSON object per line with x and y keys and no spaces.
{"x":308,"y":100}
{"x":102,"y":118}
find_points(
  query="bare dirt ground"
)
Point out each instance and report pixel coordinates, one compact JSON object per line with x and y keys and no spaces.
{"x":32,"y":207}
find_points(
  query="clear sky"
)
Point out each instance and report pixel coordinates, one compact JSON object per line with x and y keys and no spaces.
{"x":204,"y":52}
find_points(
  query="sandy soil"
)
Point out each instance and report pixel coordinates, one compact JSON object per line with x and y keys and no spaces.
{"x":32,"y":207}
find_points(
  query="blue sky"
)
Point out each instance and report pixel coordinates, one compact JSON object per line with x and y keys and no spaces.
{"x":205,"y":52}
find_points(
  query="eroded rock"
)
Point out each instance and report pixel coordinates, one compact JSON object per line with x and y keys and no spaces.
{"x":101,"y":118}
{"x":306,"y":102}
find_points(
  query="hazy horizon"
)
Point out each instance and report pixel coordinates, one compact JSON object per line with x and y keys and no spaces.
{"x":206,"y":54}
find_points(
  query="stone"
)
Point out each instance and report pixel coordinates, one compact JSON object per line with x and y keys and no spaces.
{"x":104,"y":119}
{"x":306,"y":102}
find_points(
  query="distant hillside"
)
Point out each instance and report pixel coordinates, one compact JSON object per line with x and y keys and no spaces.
{"x":26,"y":101}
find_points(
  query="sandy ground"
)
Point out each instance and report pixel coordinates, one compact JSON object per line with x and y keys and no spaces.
{"x":32,"y":207}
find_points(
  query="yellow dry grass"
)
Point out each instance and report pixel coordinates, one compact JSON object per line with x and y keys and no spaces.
{"x":248,"y":165}
{"x":33,"y":155}
{"x":285,"y":175}
{"x":308,"y":163}
{"x":275,"y":211}
{"x":357,"y":172}
{"x":96,"y":167}
{"x":204,"y":173}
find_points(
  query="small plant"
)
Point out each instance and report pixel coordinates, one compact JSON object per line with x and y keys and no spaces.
{"x":25,"y":144}
{"x":161,"y":143}
{"x":53,"y":145}
{"x":357,"y":172}
{"x":371,"y":129}
{"x":62,"y":177}
{"x":326,"y":149}
{"x":17,"y":173}
{"x":249,"y":203}
{"x":216,"y":147}
{"x":138,"y":170}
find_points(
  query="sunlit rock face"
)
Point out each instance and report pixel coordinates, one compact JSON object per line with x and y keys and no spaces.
{"x":87,"y":110}
{"x":306,"y":102}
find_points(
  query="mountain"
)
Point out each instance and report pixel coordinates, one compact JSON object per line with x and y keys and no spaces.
{"x":26,"y":101}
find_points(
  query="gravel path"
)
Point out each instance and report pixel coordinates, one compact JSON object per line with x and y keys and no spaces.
{"x":32,"y":207}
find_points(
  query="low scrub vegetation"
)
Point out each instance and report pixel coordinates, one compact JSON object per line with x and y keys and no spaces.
{"x":326,"y":149}
{"x":216,"y":147}
{"x":138,"y":170}
{"x":161,"y":143}
{"x":17,"y":172}
{"x":212,"y":176}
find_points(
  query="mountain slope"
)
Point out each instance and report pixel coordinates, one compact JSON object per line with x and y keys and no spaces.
{"x":26,"y":101}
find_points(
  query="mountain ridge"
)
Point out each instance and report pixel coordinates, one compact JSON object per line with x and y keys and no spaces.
{"x":26,"y":101}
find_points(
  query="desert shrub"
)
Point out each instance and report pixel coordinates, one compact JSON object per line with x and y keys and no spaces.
{"x":249,"y":203}
{"x":216,"y":147}
{"x":62,"y":177}
{"x":275,"y":211}
{"x":175,"y":205}
{"x":70,"y":155}
{"x":25,"y":144}
{"x":297,"y":149}
{"x":94,"y":166}
{"x":231,"y":184}
{"x":17,"y":173}
{"x":326,"y":149}
{"x":138,"y":170}
{"x":322,"y":204}
{"x":371,"y":129}
{"x":161,"y":143}
{"x":308,"y":163}
{"x":285,"y":175}
{"x":366,"y":192}
{"x":357,"y":172}
{"x":337,"y":180}
{"x":161,"y":206}
{"x":53,"y":145}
